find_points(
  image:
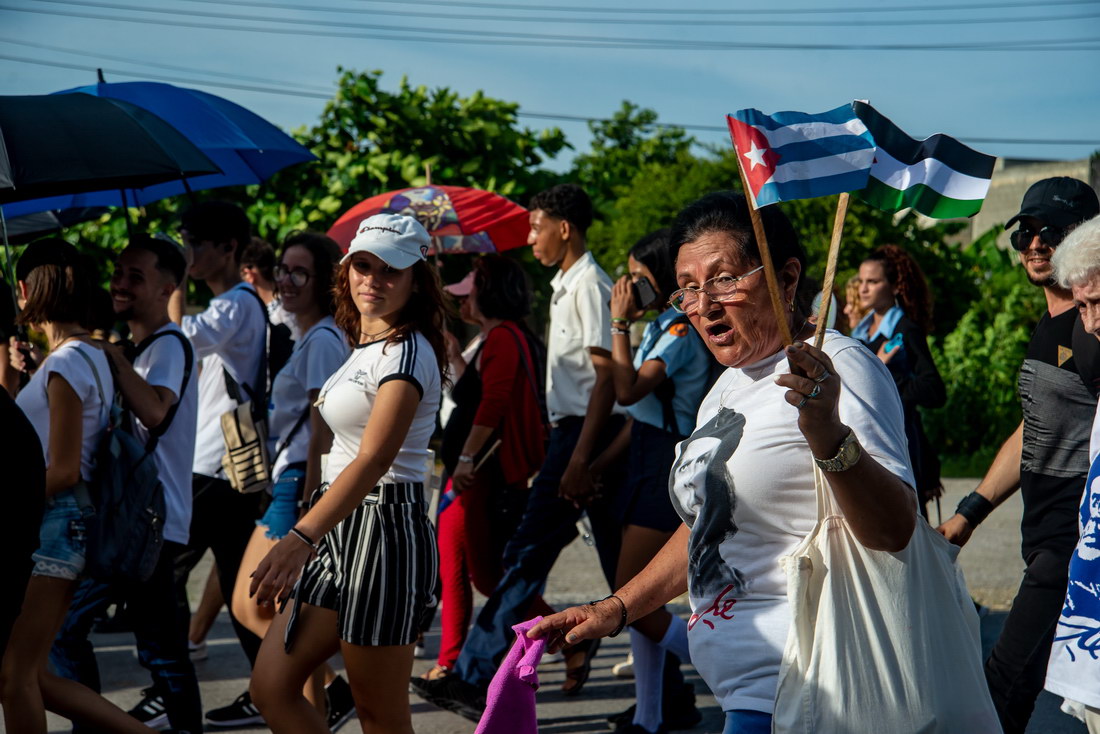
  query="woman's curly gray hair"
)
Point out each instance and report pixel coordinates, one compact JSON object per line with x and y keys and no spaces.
{"x":1077,"y":259}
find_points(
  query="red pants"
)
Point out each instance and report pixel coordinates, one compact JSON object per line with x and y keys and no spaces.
{"x":470,"y":548}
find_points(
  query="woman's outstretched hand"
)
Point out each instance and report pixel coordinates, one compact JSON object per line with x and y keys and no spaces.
{"x":576,"y":624}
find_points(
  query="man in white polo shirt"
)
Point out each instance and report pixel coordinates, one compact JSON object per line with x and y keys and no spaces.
{"x":580,"y":399}
{"x":230,"y":339}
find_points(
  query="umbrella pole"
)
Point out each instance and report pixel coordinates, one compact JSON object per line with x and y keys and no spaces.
{"x":187,"y":188}
{"x":8,"y":257}
{"x":830,"y":269}
{"x":126,"y":215}
{"x":765,"y":255}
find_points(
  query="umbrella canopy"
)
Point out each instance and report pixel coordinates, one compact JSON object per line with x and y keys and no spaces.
{"x":51,"y":145}
{"x":247,"y":148}
{"x":459,"y":219}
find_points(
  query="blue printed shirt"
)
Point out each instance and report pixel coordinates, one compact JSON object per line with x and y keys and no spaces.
{"x":687,"y":363}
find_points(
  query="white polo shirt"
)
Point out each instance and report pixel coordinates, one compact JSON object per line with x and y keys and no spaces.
{"x":230,"y":333}
{"x":580,"y":319}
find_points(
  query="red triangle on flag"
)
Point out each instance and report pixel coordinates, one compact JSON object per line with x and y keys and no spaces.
{"x":754,"y":153}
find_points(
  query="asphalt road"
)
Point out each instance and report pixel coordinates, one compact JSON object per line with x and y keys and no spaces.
{"x":991,"y":562}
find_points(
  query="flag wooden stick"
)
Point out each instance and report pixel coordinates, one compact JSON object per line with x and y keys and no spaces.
{"x":765,"y":256}
{"x":830,"y":270}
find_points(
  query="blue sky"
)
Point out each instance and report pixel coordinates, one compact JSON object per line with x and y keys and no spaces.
{"x":1016,"y":92}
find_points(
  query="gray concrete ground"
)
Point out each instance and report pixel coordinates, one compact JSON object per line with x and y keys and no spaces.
{"x":991,"y":563}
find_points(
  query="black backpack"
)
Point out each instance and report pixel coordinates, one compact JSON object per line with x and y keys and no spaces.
{"x":126,"y":532}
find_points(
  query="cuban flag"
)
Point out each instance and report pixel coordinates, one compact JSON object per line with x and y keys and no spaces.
{"x":795,"y":155}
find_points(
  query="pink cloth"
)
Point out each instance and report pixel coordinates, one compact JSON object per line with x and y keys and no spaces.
{"x":510,"y":703}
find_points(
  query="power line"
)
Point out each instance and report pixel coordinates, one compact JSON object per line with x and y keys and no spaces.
{"x":563,"y":41}
{"x":171,"y":67}
{"x":740,"y":11}
{"x":533,"y":115}
{"x":785,"y":22}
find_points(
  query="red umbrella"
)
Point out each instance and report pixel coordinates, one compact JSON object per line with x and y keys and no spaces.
{"x":458,"y":218}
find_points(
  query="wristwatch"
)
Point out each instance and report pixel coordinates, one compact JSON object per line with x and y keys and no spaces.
{"x":465,"y":459}
{"x":846,"y":456}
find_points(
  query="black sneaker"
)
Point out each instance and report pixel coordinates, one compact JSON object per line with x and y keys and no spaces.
{"x":679,"y":711}
{"x":452,"y":694}
{"x":151,"y":711}
{"x":340,"y":704}
{"x":242,"y":712}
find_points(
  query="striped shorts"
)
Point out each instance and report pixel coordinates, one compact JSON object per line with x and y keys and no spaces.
{"x":377,"y":569}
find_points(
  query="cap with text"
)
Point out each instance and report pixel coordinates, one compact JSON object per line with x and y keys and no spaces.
{"x":398,"y":240}
{"x":1059,"y":202}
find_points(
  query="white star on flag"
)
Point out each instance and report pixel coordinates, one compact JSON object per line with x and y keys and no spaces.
{"x":755,"y":156}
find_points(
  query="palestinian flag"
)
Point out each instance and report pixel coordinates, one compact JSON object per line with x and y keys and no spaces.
{"x":938,"y":176}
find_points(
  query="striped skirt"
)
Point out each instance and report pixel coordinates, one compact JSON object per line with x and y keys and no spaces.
{"x":377,"y":569}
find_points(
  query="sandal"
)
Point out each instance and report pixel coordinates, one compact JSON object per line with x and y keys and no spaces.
{"x":579,"y":675}
{"x":437,"y":672}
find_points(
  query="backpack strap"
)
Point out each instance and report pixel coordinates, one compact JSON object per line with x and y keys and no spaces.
{"x":188,"y":359}
{"x":98,"y":384}
{"x":258,"y":393}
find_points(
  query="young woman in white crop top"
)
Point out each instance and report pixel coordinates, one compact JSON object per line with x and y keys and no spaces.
{"x":368,"y":549}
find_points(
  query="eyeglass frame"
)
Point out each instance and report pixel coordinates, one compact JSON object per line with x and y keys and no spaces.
{"x":282,"y":272}
{"x":681,"y":292}
{"x":1014,"y":237}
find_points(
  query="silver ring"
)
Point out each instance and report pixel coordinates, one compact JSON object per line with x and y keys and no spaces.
{"x":825,"y":375}
{"x":802,"y":402}
{"x":815,"y":393}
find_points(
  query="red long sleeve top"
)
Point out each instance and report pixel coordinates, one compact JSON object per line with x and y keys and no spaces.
{"x":508,"y":402}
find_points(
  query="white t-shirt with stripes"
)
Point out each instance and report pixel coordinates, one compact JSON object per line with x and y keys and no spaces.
{"x":347,"y":398}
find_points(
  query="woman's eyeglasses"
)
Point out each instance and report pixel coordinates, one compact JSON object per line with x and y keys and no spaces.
{"x":298,"y":277}
{"x":722,"y":288}
{"x":1049,"y":236}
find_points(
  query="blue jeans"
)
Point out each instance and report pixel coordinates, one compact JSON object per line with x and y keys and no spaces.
{"x":743,"y":721}
{"x":160,"y":629}
{"x":548,"y":525}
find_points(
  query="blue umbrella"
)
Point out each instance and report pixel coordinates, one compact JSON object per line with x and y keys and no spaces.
{"x":246,"y":147}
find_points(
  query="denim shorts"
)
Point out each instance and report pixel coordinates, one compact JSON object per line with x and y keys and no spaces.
{"x":62,"y":539}
{"x":282,"y":513}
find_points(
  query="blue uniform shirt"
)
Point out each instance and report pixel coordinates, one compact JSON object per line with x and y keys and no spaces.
{"x":687,"y":362}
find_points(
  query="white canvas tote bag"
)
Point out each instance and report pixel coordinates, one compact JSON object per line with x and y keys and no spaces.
{"x":882,"y":643}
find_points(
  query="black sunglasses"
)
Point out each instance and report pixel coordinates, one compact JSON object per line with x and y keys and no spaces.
{"x":1049,"y":236}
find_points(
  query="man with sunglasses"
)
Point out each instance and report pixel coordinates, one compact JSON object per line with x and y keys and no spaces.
{"x":1046,"y":457}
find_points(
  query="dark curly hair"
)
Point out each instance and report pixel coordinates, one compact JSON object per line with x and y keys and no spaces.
{"x":906,"y":278}
{"x":426,"y":311}
{"x":565,"y":201}
{"x":728,"y":212}
{"x":326,"y":258}
{"x":218,"y":222}
{"x":503,"y":291}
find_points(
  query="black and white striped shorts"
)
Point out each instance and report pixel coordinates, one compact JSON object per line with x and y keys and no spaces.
{"x":377,"y":569}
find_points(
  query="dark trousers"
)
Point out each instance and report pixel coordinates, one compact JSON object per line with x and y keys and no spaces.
{"x":1017,"y":666}
{"x":548,"y":525}
{"x":222,"y":520}
{"x":160,"y":628}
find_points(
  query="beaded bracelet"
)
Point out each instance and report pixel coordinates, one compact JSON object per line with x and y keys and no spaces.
{"x":623,"y":322}
{"x":619,"y":332}
{"x":622,"y":619}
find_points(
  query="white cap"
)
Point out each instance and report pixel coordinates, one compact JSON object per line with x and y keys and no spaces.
{"x":398,"y":240}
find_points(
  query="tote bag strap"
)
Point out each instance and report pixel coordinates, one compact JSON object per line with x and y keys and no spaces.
{"x":826,"y":503}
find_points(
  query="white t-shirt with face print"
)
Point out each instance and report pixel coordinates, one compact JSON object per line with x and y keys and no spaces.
{"x":744,"y":483}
